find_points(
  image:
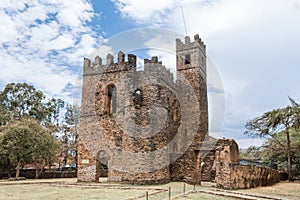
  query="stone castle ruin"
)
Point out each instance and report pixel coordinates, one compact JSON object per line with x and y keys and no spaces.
{"x":146,"y":127}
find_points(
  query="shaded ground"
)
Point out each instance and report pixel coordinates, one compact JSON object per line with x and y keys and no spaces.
{"x":70,"y":189}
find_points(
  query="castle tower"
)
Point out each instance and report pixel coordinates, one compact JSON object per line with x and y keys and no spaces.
{"x":191,"y":63}
{"x":191,"y":67}
{"x":119,"y":125}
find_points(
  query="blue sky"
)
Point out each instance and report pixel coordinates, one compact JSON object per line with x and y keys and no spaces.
{"x":253,"y":44}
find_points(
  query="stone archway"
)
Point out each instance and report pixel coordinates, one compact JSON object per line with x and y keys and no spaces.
{"x":102,"y":164}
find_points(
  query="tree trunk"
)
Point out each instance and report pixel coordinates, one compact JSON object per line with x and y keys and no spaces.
{"x":36,"y":171}
{"x":289,"y":154}
{"x":49,"y":165}
{"x":18,"y":170}
{"x":76,"y":156}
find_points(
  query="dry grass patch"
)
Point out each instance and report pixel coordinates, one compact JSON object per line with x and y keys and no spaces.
{"x":284,"y":190}
{"x":53,"y":189}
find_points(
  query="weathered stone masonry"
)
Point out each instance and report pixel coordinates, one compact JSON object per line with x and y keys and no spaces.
{"x":116,"y":115}
{"x":231,"y":175}
{"x":149,"y":129}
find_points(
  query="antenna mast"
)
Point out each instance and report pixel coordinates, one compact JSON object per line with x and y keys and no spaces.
{"x":183,"y":19}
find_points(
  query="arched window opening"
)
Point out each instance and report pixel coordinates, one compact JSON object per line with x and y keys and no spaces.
{"x":138,"y":98}
{"x":187,"y":59}
{"x":111,"y":99}
{"x":168,"y":106}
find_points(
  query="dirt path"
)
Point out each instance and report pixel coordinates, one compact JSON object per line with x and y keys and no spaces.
{"x":238,"y":195}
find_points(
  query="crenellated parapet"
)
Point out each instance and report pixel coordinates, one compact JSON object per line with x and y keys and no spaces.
{"x":156,"y":68}
{"x":187,"y":44}
{"x":150,"y":66}
{"x":191,"y":55}
{"x":140,"y":123}
{"x":97,"y":66}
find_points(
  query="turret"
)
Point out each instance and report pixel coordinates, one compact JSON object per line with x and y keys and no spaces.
{"x":191,"y":54}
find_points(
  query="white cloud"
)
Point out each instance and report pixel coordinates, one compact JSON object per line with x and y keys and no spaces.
{"x":44,"y":43}
{"x":6,"y":24}
{"x":80,"y":11}
{"x":254,"y":44}
{"x":62,"y":42}
{"x":145,"y":11}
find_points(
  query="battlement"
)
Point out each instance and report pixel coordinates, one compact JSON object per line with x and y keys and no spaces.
{"x":197,"y":43}
{"x":154,"y":59}
{"x":97,"y":66}
{"x":157,"y":69}
{"x":120,"y":102}
{"x":150,"y":65}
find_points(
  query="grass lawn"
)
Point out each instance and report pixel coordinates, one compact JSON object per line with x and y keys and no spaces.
{"x":53,"y":189}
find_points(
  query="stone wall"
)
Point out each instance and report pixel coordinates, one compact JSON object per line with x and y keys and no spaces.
{"x":231,"y":175}
{"x":146,"y":123}
{"x":249,"y":176}
{"x":89,"y":169}
{"x":30,"y":174}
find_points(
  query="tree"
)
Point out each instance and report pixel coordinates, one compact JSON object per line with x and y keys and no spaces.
{"x":4,"y":118}
{"x":69,"y":130}
{"x":22,"y":100}
{"x":54,"y":107}
{"x":26,"y":142}
{"x":272,"y":122}
{"x":272,"y":154}
{"x":72,"y":117}
{"x":252,"y":154}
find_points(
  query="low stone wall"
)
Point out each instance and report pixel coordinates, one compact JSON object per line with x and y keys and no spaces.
{"x":231,"y":175}
{"x":247,"y":176}
{"x":150,"y":178}
{"x":30,"y":174}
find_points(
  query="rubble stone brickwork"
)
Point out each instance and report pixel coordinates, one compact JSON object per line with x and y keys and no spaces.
{"x":149,"y":129}
{"x":231,"y":175}
{"x":117,"y":111}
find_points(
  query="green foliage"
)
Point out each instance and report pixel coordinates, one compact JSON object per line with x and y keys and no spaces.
{"x":252,"y":154}
{"x":72,"y":115}
{"x":273,"y":154}
{"x":69,"y":138}
{"x":277,"y":125}
{"x":26,"y":142}
{"x":21,"y":100}
{"x":20,"y":103}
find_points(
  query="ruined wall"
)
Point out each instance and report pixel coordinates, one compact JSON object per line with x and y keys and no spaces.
{"x":249,"y":176}
{"x":93,"y":141}
{"x":147,"y":124}
{"x":191,"y":70}
{"x":231,"y":175}
{"x":87,"y":165}
{"x":117,"y":115}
